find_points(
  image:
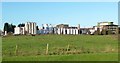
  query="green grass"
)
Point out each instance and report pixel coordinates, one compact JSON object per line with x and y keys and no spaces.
{"x":101,"y":47}
{"x":80,"y":57}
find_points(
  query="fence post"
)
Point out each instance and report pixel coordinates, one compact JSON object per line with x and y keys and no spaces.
{"x":47,"y":49}
{"x":68,"y":47}
{"x":16,"y":50}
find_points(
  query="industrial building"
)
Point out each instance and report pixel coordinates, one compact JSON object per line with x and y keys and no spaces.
{"x":19,"y":30}
{"x":108,"y":27}
{"x":30,"y":28}
{"x":65,"y":29}
{"x":62,"y":29}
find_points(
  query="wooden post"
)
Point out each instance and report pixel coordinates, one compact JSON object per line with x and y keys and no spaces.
{"x":16,"y":49}
{"x":68,"y":47}
{"x":47,"y":49}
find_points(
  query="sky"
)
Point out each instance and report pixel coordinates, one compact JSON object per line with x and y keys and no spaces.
{"x":60,"y":0}
{"x":87,"y":14}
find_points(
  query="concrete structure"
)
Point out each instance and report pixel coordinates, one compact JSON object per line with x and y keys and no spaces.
{"x":51,"y":30}
{"x":84,"y":30}
{"x":62,"y":26}
{"x":30,"y":28}
{"x":48,"y":29}
{"x":104,"y":23}
{"x":65,"y":29}
{"x":68,"y":31}
{"x":92,"y":31}
{"x":71,"y":31}
{"x":77,"y":31}
{"x":58,"y":31}
{"x":5,"y":33}
{"x":19,"y":30}
{"x":108,"y":26}
{"x":55,"y":30}
{"x":74,"y":32}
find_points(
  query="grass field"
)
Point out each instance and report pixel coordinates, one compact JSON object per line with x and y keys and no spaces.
{"x":61,"y":48}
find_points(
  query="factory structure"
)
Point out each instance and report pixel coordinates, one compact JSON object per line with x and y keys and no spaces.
{"x":108,"y":27}
{"x":30,"y":28}
{"x":65,"y":29}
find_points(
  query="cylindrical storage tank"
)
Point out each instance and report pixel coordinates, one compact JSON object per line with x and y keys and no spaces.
{"x":50,"y":29}
{"x":35,"y":30}
{"x":46,"y":26}
{"x":61,"y":30}
{"x":54,"y":30}
{"x":58,"y":31}
{"x":26,"y":27}
{"x":78,"y":26}
{"x":32,"y":28}
{"x":71,"y":31}
{"x":68,"y":31}
{"x":64,"y":31}
{"x":23,"y":30}
{"x":76,"y":31}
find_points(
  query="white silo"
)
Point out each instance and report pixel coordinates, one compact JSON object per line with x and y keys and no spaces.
{"x":35,"y":30}
{"x":71,"y":31}
{"x":46,"y":28}
{"x":30,"y":27}
{"x":64,"y":31}
{"x":55,"y":30}
{"x":76,"y":31}
{"x":61,"y":30}
{"x":26,"y":27}
{"x":58,"y":31}
{"x":50,"y":28}
{"x":22,"y":29}
{"x":68,"y":31}
{"x":78,"y":26}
